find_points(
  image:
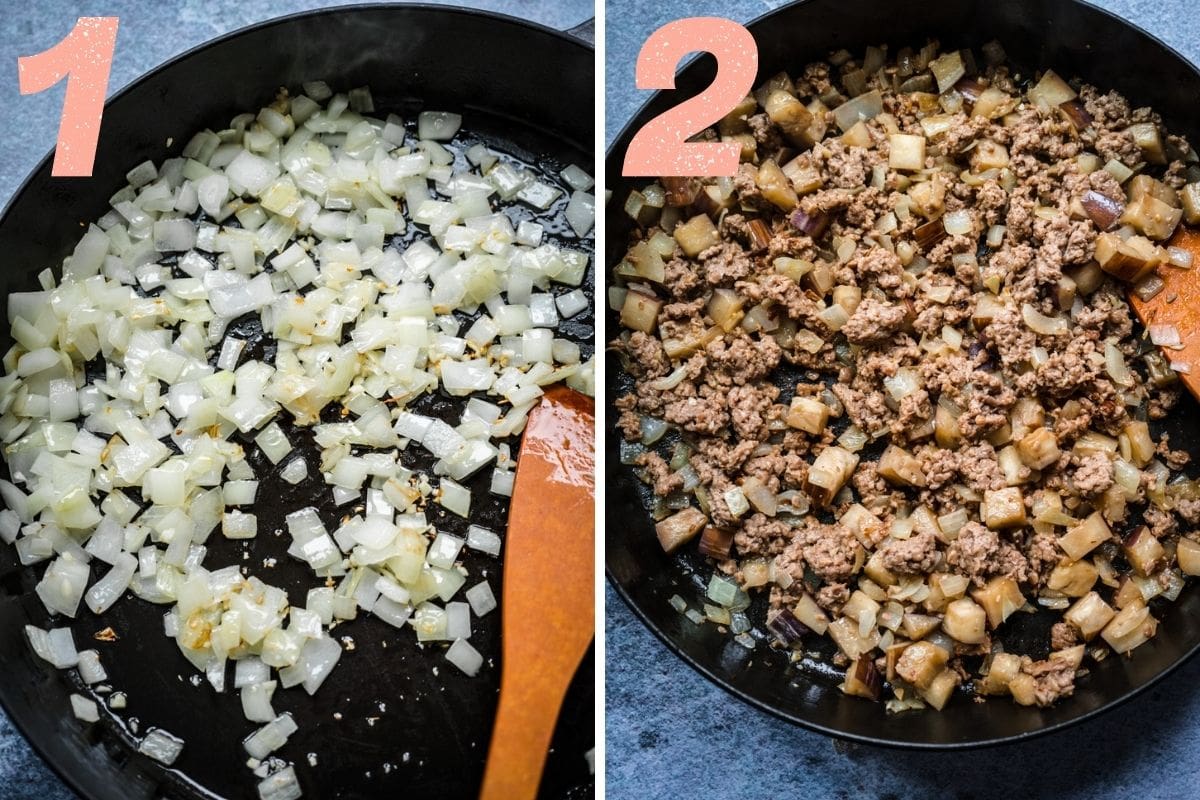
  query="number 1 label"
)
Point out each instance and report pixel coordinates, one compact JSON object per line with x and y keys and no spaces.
{"x":84,"y":58}
{"x":661,"y":146}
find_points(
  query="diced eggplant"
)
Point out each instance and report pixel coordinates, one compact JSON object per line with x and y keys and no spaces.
{"x":965,"y":621}
{"x":918,"y":626}
{"x":1131,"y":627}
{"x":697,"y":235}
{"x":1190,"y":197}
{"x":1038,"y":449}
{"x":786,"y":627}
{"x":760,"y":234}
{"x":994,"y":103}
{"x":863,"y":679}
{"x":989,"y":155}
{"x":906,"y":152}
{"x":681,"y":191}
{"x":725,"y":308}
{"x":1143,"y":551}
{"x":1075,"y":579}
{"x":805,"y":178}
{"x":1089,"y":614}
{"x":1130,"y":260}
{"x":941,"y":688}
{"x":999,"y":597}
{"x":716,"y":542}
{"x":640,"y":311}
{"x":1085,"y":537}
{"x":1087,"y":277}
{"x":828,"y":473}
{"x":808,"y":414}
{"x":680,"y":528}
{"x":921,"y":662}
{"x":1003,"y":508}
{"x":1141,"y":446}
{"x":1003,"y":668}
{"x":1187,"y":554}
{"x":792,"y":117}
{"x":736,"y":121}
{"x":1149,"y":140}
{"x":1142,"y":185}
{"x":1101,"y":209}
{"x":1052,"y":91}
{"x":775,"y":186}
{"x":811,"y":615}
{"x":747,"y":151}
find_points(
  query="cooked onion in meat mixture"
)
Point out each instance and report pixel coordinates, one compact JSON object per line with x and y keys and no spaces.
{"x":910,"y":398}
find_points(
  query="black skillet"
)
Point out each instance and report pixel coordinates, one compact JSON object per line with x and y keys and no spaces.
{"x":1073,"y":38}
{"x":392,"y":720}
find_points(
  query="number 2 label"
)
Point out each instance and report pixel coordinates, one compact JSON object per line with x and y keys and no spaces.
{"x":661,"y":146}
{"x":84,"y":58}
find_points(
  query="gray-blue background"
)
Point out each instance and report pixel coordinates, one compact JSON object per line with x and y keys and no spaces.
{"x":671,"y":734}
{"x":151,"y":31}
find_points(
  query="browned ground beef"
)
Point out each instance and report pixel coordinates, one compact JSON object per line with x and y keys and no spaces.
{"x":975,"y":337}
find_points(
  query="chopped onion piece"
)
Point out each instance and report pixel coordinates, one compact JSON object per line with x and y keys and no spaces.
{"x":161,"y":746}
{"x":1164,"y":335}
{"x":462,"y":655}
{"x":483,"y":540}
{"x":84,"y":709}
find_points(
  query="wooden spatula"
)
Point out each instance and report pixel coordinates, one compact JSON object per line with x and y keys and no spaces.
{"x":549,"y":583}
{"x":1178,"y":304}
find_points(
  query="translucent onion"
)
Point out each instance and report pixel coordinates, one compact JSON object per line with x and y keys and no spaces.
{"x":1041,"y":324}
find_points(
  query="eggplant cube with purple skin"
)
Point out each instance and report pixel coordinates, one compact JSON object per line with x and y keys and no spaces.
{"x":1143,"y":551}
{"x":828,"y":473}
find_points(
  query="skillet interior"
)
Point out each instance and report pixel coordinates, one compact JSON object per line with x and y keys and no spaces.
{"x":431,"y":737}
{"x":1076,"y":40}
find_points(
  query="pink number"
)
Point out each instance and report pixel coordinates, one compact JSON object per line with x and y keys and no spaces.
{"x":84,"y":58}
{"x":661,"y":146}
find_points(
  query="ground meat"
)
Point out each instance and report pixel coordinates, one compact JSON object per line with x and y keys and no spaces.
{"x":761,"y":535}
{"x":662,"y":478}
{"x":832,"y":596}
{"x":914,"y":556}
{"x":873,"y":322}
{"x":973,"y":552}
{"x":1054,"y":678}
{"x":1063,"y":635}
{"x":725,"y":263}
{"x":1093,"y":475}
{"x":829,"y":550}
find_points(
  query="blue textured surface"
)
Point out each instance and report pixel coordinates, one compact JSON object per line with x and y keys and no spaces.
{"x":672,"y":734}
{"x":151,"y":32}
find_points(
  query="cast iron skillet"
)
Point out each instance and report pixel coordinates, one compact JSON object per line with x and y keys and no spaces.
{"x":1073,"y":38}
{"x":410,"y":723}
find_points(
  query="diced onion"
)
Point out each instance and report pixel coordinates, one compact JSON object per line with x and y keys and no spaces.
{"x":1039,"y":323}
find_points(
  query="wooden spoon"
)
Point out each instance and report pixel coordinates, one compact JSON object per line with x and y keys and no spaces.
{"x":549,"y":577}
{"x":1178,"y":304}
